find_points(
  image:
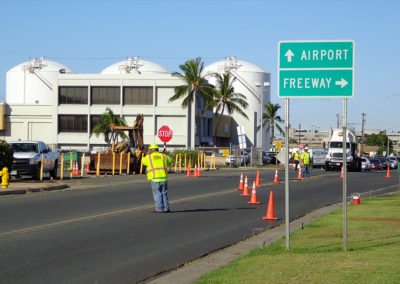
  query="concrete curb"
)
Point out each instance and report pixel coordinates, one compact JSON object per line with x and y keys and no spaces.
{"x":194,"y":270}
{"x":33,"y":189}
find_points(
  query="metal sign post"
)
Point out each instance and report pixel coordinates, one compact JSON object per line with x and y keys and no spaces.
{"x":344,"y":125}
{"x":287,"y":219}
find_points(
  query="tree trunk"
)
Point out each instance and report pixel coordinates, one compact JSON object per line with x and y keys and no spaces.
{"x":199,"y":118}
{"x":217,"y":125}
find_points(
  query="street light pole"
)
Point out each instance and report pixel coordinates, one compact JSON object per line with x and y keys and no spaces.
{"x":299,"y":133}
{"x":387,"y":152}
{"x":261,"y":143}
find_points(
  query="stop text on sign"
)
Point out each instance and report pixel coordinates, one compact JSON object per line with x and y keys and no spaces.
{"x":165,"y":133}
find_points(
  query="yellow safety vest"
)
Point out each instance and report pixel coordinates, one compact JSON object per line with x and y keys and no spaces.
{"x":296,"y":156}
{"x":305,"y":156}
{"x":156,"y":165}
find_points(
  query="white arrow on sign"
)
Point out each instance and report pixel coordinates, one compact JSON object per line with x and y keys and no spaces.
{"x":341,"y":83}
{"x":289,"y":54}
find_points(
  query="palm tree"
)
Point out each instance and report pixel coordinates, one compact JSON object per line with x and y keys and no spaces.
{"x":108,"y":119}
{"x":195,"y":89}
{"x":225,"y":97}
{"x":271,"y":119}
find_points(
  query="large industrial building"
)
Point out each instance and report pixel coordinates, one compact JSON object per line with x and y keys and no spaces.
{"x":48,"y":101}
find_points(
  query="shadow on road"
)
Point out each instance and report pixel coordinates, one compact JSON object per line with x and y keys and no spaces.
{"x":199,"y":210}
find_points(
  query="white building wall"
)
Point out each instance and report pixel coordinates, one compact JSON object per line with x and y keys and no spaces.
{"x":162,"y":112}
{"x":28,"y":122}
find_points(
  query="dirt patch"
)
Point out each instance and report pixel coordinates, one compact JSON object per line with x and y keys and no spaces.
{"x":376,"y":219}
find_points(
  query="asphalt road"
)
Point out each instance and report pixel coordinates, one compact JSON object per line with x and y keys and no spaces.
{"x":102,"y":231}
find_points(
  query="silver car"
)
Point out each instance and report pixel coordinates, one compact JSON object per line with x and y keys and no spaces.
{"x":234,"y":160}
{"x":365,"y":164}
{"x":393,"y":162}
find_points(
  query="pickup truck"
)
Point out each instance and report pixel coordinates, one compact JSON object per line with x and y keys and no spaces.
{"x":28,"y":158}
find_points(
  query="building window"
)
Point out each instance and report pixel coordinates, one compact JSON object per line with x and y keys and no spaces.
{"x":94,"y":120}
{"x":138,"y":95}
{"x":72,"y":123}
{"x":73,"y":95}
{"x":105,"y":95}
{"x":210,"y":127}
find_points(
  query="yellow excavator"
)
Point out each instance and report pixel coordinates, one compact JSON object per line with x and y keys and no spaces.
{"x":121,"y":156}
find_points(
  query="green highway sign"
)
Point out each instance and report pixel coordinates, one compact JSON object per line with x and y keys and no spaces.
{"x":315,"y":69}
{"x":316,"y":83}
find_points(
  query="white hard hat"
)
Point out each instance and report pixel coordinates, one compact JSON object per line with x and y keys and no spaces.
{"x":306,"y":148}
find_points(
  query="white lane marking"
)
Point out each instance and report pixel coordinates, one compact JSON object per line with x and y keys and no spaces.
{"x":107,"y":214}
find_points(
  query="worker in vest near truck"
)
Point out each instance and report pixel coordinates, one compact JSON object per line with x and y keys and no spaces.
{"x":305,"y":163}
{"x":296,"y":159}
{"x":157,"y":165}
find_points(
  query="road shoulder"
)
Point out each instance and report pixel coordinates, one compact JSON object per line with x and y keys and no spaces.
{"x":192,"y":271}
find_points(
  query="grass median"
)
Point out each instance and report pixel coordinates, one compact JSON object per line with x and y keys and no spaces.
{"x":316,"y":253}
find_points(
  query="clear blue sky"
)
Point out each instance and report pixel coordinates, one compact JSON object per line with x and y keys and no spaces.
{"x":88,"y":35}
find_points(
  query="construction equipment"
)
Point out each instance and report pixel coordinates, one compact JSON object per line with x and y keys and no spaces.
{"x":122,"y":156}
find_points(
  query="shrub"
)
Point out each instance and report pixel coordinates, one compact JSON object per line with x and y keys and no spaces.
{"x":6,"y":155}
{"x":191,"y":155}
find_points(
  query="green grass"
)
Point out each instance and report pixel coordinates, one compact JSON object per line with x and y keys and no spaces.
{"x":316,"y":253}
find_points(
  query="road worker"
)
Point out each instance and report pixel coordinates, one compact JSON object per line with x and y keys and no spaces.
{"x":305,"y":158}
{"x":296,"y":159}
{"x":157,"y":165}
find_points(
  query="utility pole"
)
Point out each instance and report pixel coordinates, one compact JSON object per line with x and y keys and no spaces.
{"x":299,"y":133}
{"x":362,"y":133}
{"x":337,"y":120}
{"x":387,"y":153}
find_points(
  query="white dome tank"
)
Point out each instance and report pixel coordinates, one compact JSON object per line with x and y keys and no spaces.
{"x":251,"y":81}
{"x":134,"y":65}
{"x":33,"y":82}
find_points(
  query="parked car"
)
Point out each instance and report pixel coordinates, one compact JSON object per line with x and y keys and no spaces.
{"x":269,"y":158}
{"x":365,"y":164}
{"x":28,"y":158}
{"x":234,"y":160}
{"x":376,"y":164}
{"x":393,"y":162}
{"x":383,"y":161}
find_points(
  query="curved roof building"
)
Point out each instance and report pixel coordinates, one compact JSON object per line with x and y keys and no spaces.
{"x":253,"y":82}
{"x":134,"y":65}
{"x":33,"y":82}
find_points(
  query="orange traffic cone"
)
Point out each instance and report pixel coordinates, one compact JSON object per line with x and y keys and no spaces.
{"x":73,"y":168}
{"x":258,"y":178}
{"x":253,"y":199}
{"x":77,"y":172}
{"x":276,"y":178}
{"x":246,"y":188}
{"x":342,"y":173}
{"x":188,"y":170}
{"x":270,"y":210}
{"x":88,"y":168}
{"x":195,"y":171}
{"x":388,"y":172}
{"x":241,"y":182}
{"x":299,"y":175}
